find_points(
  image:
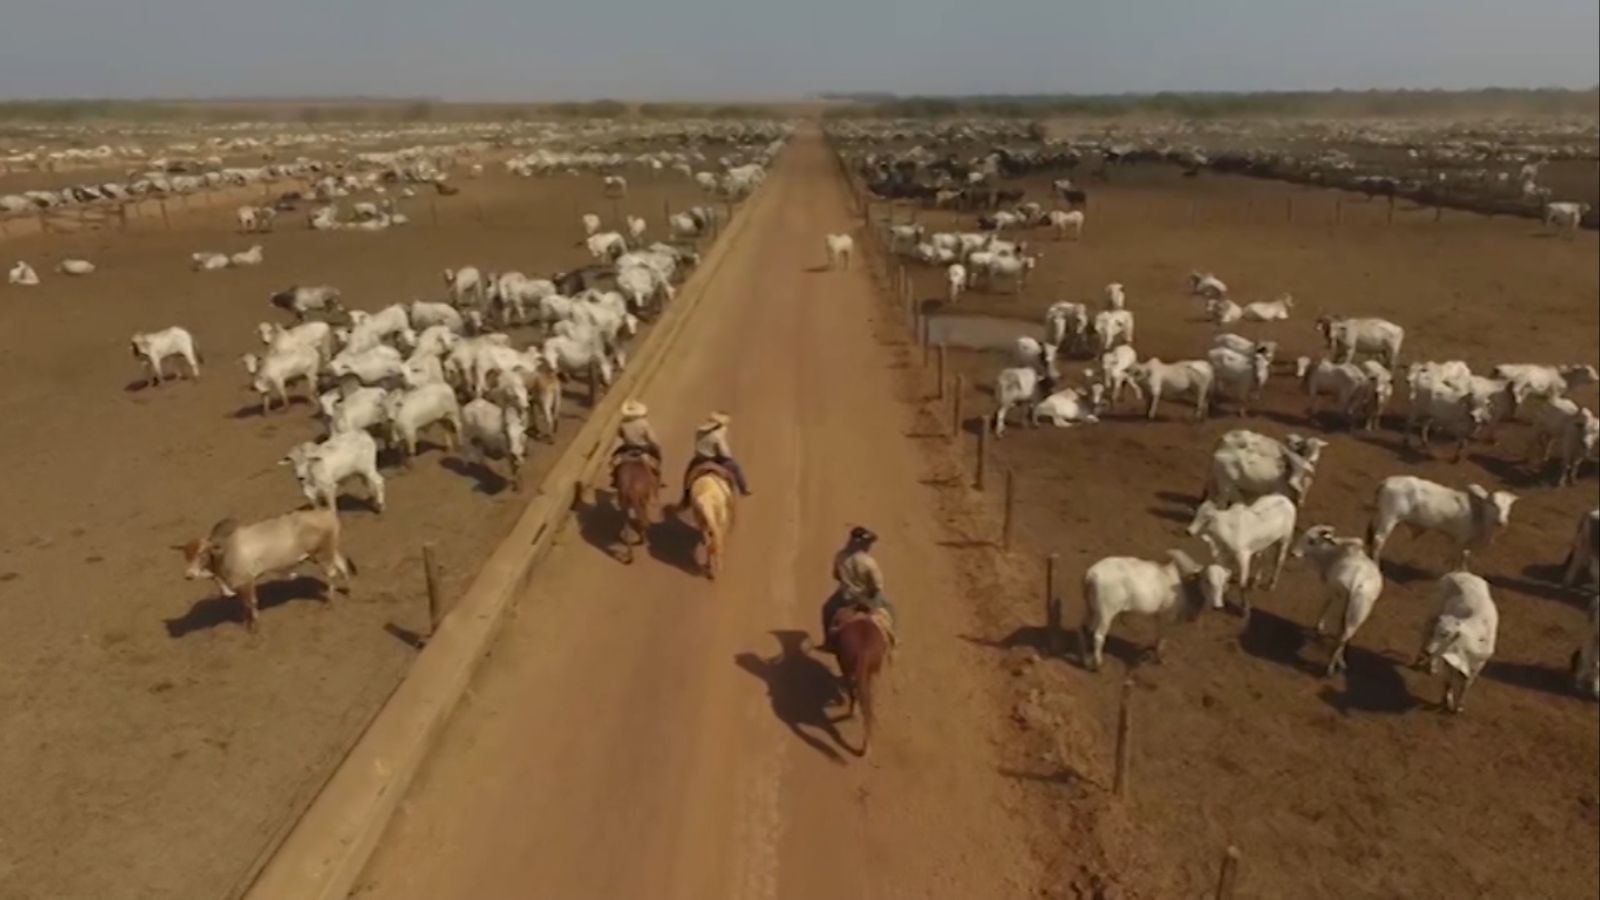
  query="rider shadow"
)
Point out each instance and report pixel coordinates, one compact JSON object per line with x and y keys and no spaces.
{"x":674,"y":541}
{"x":600,"y":522}
{"x":800,"y":688}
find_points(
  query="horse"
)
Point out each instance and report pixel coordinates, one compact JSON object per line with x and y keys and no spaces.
{"x":637,"y":483}
{"x":711,"y":500}
{"x":860,"y":646}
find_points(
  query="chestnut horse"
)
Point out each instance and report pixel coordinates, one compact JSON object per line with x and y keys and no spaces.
{"x":861,"y":647}
{"x":637,"y":483}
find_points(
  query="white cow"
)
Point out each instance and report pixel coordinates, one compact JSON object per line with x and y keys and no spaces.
{"x":1462,"y":635}
{"x":1349,"y":577}
{"x":1193,"y":377}
{"x":1469,"y":519}
{"x":321,"y":467}
{"x":1237,"y":533}
{"x":152,"y":348}
{"x":839,"y":248}
{"x":1178,"y":588}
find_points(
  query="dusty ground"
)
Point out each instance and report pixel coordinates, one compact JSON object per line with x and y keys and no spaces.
{"x":150,"y":747}
{"x":641,"y":732}
{"x":1355,"y":786}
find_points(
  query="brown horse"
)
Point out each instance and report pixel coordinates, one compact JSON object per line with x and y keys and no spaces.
{"x":637,"y":484}
{"x":861,"y":647}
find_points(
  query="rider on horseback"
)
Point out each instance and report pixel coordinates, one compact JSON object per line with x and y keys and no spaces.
{"x":860,"y":582}
{"x":635,"y":437}
{"x":711,"y":445}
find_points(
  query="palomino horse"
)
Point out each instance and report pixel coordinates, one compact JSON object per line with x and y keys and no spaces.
{"x":637,"y":483}
{"x":711,"y":499}
{"x":860,"y":645}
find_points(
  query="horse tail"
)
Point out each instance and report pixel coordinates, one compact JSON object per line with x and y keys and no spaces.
{"x":863,"y":688}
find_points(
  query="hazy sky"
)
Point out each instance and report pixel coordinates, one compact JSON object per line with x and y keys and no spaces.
{"x":676,"y":49}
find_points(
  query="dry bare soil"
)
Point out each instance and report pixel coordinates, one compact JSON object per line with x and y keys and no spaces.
{"x":149,"y":746}
{"x":1352,"y":786}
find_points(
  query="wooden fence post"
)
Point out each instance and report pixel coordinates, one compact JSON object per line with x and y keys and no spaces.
{"x":1124,"y":738}
{"x":1391,"y":210}
{"x":922,"y":335}
{"x":955,"y":412}
{"x":1010,"y":514}
{"x":1052,"y":605}
{"x":430,"y":573}
{"x":977,"y":472}
{"x":1230,"y":873}
{"x":939,"y":395}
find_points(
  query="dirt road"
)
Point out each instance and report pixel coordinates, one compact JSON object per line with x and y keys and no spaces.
{"x":641,"y":731}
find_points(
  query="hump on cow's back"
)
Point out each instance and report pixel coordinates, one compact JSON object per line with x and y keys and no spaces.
{"x":223,"y":529}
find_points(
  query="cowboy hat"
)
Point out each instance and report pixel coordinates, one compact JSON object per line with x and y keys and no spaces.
{"x":862,"y":535}
{"x":714,"y":421}
{"x":633,"y":409}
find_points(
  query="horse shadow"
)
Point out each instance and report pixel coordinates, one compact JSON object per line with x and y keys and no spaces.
{"x":600,"y":523}
{"x":800,"y":688}
{"x":217,"y":610}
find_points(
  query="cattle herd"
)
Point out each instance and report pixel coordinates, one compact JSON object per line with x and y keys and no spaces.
{"x":1250,"y":512}
{"x":481,"y":363}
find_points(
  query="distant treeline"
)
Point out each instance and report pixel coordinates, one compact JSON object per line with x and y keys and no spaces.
{"x":1488,"y":101}
{"x":360,"y":110}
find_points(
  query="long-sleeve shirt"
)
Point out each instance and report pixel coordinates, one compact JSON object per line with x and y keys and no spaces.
{"x":712,"y":444}
{"x":637,"y":433}
{"x":858,"y":574}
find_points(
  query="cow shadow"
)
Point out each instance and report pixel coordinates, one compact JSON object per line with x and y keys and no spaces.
{"x":800,"y":688}
{"x":1532,"y":676}
{"x":217,"y":610}
{"x":253,"y":410}
{"x":1512,"y":473}
{"x":1544,"y":582}
{"x":1171,"y":515}
{"x":349,"y":503}
{"x":485,"y":479}
{"x":1373,"y":683}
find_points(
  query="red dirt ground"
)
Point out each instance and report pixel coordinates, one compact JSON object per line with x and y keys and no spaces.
{"x":1355,"y":786}
{"x":150,"y":746}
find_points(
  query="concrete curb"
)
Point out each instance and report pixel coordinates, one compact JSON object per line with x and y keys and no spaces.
{"x":326,"y":851}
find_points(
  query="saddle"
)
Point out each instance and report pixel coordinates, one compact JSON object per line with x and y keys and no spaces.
{"x":634,"y":454}
{"x":710,"y":467}
{"x":879,"y":616}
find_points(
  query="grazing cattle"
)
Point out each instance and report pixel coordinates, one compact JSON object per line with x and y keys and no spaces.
{"x":1565,"y":216}
{"x":1586,"y":659}
{"x":1207,"y":286}
{"x":75,"y":267}
{"x":1066,"y":326}
{"x":1559,"y":422}
{"x":1528,"y":380}
{"x":1113,"y":327}
{"x":411,"y":411}
{"x":236,"y":556}
{"x":1360,"y":391}
{"x":956,"y":276}
{"x":1583,"y":557}
{"x":319,"y":468}
{"x":1462,"y":635}
{"x":838,"y":248}
{"x":1192,"y":377}
{"x":1346,"y":337}
{"x":465,"y":286}
{"x":1122,"y":584}
{"x":1242,"y":376}
{"x":272,"y":374}
{"x":489,"y":428}
{"x":301,"y":300}
{"x":1237,"y":533}
{"x":1246,"y":465}
{"x":1065,"y":223}
{"x":1469,"y":519}
{"x":153,"y":348}
{"x":1350,"y":578}
{"x":1223,"y":311}
{"x":1116,"y":372}
{"x":1011,"y":387}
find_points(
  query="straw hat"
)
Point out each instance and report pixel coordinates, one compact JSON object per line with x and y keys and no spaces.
{"x":633,"y":409}
{"x":714,"y":421}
